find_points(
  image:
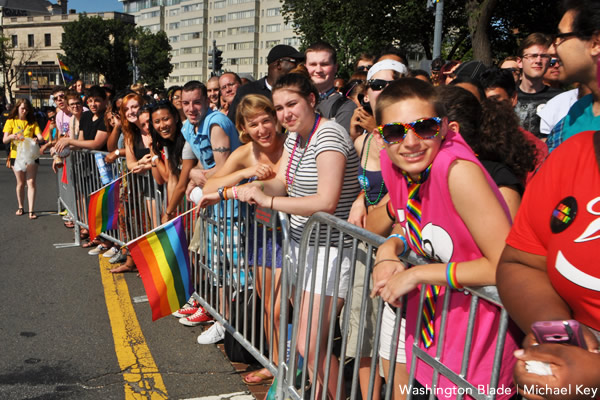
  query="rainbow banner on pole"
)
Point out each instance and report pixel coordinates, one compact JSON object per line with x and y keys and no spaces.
{"x":103,"y":210}
{"x":162,"y":258}
{"x":65,"y":71}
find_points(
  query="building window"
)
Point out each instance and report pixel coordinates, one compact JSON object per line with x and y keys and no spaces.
{"x":271,"y":43}
{"x":219,"y":34}
{"x":30,"y":40}
{"x":192,"y":21}
{"x":15,"y":40}
{"x":294,"y":41}
{"x":47,"y":40}
{"x":240,"y":15}
{"x":240,"y":46}
{"x":220,"y":4}
{"x":240,"y":30}
{"x":241,"y":61}
{"x":273,"y":28}
{"x":173,"y":25}
{"x":218,"y":19}
{"x":173,"y":12}
{"x":192,"y":7}
{"x":273,"y":12}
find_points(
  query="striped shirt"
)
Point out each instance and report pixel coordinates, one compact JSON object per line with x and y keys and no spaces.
{"x":330,"y":136}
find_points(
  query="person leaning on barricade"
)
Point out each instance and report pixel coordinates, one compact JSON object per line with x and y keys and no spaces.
{"x":137,"y":141}
{"x":318,"y":173}
{"x":373,"y":195}
{"x":424,"y":165}
{"x":258,"y":159}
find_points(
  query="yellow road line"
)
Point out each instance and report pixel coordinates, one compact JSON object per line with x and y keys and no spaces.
{"x":142,"y":378}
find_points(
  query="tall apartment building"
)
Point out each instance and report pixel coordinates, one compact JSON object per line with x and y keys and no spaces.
{"x":245,"y":30}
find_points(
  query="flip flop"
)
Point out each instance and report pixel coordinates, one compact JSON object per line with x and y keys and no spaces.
{"x":32,"y":215}
{"x":263,"y":379}
{"x":20,"y":211}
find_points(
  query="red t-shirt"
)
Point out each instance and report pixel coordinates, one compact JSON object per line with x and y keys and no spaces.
{"x":559,"y":218}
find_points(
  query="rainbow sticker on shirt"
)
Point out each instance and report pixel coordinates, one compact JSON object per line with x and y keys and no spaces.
{"x":563,"y":214}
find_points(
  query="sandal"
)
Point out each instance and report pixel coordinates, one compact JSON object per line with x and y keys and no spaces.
{"x":69,"y":224}
{"x":263,"y":378}
{"x":91,"y":243}
{"x":20,"y":211}
{"x":32,"y":215}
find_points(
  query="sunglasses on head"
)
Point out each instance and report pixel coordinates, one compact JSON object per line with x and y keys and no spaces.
{"x":395,"y":132}
{"x":377,"y":84}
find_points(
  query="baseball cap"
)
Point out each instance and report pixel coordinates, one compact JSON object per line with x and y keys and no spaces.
{"x":470,"y":69}
{"x":281,"y":51}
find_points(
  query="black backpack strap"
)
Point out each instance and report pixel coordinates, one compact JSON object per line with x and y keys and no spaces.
{"x":336,"y":105}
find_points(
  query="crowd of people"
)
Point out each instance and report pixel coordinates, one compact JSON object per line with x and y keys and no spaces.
{"x":452,"y":164}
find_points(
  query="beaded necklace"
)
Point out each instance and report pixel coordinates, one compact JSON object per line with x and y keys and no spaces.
{"x":290,"y":181}
{"x":364,"y":180}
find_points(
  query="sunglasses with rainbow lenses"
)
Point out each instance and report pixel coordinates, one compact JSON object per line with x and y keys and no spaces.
{"x":395,"y":132}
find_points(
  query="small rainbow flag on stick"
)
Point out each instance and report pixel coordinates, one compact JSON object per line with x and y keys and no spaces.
{"x":162,"y":258}
{"x":65,"y":71}
{"x":103,"y":210}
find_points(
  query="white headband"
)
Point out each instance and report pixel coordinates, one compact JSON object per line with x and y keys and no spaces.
{"x":387,"y":64}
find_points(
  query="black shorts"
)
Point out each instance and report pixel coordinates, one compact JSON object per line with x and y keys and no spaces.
{"x":12,"y":162}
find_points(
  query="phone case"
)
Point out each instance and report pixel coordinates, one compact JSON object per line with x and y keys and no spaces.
{"x":566,"y":332}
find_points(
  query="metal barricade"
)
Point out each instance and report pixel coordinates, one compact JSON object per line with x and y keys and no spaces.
{"x":142,"y":199}
{"x":234,"y":248}
{"x":315,"y":335}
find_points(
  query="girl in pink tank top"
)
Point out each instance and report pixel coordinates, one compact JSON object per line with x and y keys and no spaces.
{"x":448,"y":209}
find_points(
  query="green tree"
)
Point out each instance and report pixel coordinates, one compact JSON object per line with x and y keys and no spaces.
{"x":95,"y":45}
{"x":484,"y":28}
{"x":154,"y":57}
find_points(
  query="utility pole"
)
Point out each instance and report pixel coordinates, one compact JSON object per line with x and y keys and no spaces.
{"x":437,"y":35}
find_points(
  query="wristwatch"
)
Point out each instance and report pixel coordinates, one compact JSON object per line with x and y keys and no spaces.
{"x":117,"y":152}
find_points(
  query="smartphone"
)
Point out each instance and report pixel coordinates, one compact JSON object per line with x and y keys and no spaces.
{"x":365,"y":104}
{"x":566,"y":332}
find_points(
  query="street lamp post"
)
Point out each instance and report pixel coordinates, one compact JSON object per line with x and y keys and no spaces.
{"x":29,"y":75}
{"x":133,"y":52}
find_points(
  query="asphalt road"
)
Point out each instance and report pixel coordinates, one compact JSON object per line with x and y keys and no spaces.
{"x":56,"y":339}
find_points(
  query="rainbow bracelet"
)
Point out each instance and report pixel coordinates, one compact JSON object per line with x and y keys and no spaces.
{"x":405,"y":248}
{"x":451,"y":276}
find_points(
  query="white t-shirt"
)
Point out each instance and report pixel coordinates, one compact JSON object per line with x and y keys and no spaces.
{"x":556,"y":109}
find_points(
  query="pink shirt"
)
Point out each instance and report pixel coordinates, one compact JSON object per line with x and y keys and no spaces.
{"x":446,"y":238}
{"x":63,"y":121}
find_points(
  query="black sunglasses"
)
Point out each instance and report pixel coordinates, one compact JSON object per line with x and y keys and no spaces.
{"x":378,"y":84}
{"x":564,"y":36}
{"x":553,"y":62}
{"x":363,"y":68}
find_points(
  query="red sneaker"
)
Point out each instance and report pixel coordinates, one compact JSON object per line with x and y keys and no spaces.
{"x":199,"y":317}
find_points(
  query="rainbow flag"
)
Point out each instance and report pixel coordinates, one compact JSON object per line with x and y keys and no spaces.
{"x":103,"y":210}
{"x":66,"y":71}
{"x":162,"y":258}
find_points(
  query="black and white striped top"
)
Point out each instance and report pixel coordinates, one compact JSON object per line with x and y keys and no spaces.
{"x":330,"y":136}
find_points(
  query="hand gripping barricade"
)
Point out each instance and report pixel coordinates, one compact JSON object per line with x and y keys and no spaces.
{"x":141,"y":199}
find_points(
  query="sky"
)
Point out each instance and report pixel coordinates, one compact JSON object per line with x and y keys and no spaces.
{"x":94,"y":5}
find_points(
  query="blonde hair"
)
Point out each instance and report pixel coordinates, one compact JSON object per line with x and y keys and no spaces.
{"x":249,"y":106}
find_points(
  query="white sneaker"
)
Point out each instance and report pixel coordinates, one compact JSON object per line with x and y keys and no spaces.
{"x":212,"y":335}
{"x":97,"y":250}
{"x":111,"y":252}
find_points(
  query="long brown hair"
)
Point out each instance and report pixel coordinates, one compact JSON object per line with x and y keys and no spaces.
{"x":130,"y":131}
{"x":14,"y":112}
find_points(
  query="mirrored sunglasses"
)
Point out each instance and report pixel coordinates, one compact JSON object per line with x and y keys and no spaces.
{"x":395,"y":132}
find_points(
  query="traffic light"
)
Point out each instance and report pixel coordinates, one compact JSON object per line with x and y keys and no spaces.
{"x":218,"y":60}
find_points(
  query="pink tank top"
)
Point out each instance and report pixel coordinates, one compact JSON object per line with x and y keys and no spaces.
{"x":446,"y":238}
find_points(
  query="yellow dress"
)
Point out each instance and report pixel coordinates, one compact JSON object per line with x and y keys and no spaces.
{"x":15,"y":126}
